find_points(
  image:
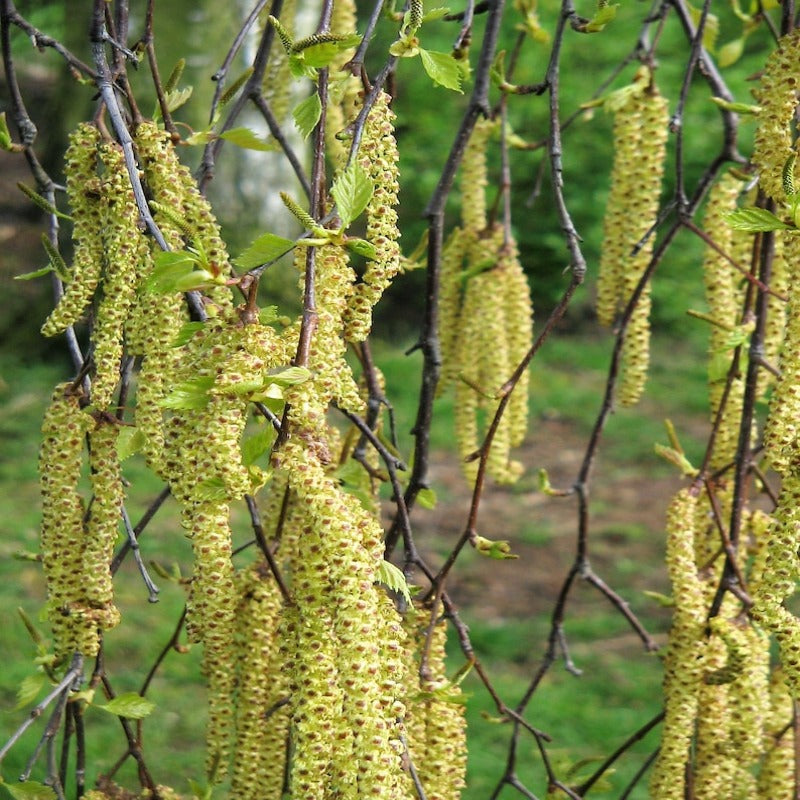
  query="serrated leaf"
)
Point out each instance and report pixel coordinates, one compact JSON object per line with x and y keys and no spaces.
{"x":427,"y":498}
{"x":197,"y":279}
{"x":290,"y":376}
{"x":361,"y":247}
{"x":264,"y":249}
{"x":130,"y":440}
{"x":30,"y":790}
{"x":256,"y":445}
{"x":189,"y":395}
{"x":321,"y":54}
{"x":443,"y":69}
{"x":212,"y":490}
{"x":435,"y":14}
{"x":299,"y":68}
{"x":168,"y":269}
{"x":268,"y":315}
{"x":390,"y":576}
{"x":351,"y":192}
{"x":731,"y":52}
{"x":603,"y":16}
{"x":307,"y":114}
{"x":245,"y":138}
{"x":129,"y":705}
{"x":755,"y":220}
{"x":178,"y":97}
{"x":29,"y":689}
{"x":37,"y":273}
{"x":5,"y":135}
{"x":186,"y":333}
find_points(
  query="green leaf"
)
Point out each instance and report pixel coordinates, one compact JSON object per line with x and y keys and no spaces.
{"x":130,"y":440}
{"x":168,"y":268}
{"x":390,"y":576}
{"x":677,"y":458}
{"x":37,"y":273}
{"x":198,"y":279}
{"x":29,"y":690}
{"x":307,"y":114}
{"x":351,"y":192}
{"x":129,"y":705}
{"x":30,"y":790}
{"x":199,"y":791}
{"x":443,"y":69}
{"x":711,"y":29}
{"x":289,"y":376}
{"x":603,"y":16}
{"x":263,"y":250}
{"x":256,"y":445}
{"x":499,"y":549}
{"x":189,"y":395}
{"x":299,"y":68}
{"x":187,"y":332}
{"x":427,"y":498}
{"x":731,"y":52}
{"x":5,"y":135}
{"x":178,"y":97}
{"x":247,"y":139}
{"x":754,"y":220}
{"x":321,"y":54}
{"x":361,"y":247}
{"x":212,"y":490}
{"x":268,"y":315}
{"x":435,"y":14}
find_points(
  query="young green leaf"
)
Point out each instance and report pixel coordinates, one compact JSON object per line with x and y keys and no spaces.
{"x":603,"y":16}
{"x":212,"y":490}
{"x":130,"y":440}
{"x":190,"y":395}
{"x":435,"y":14}
{"x":129,"y":705}
{"x":427,"y":498}
{"x":361,"y":247}
{"x":178,"y":98}
{"x":307,"y":114}
{"x":737,"y":108}
{"x":29,"y":690}
{"x":169,"y":267}
{"x":30,"y":790}
{"x":443,"y":69}
{"x":499,"y":549}
{"x":187,"y":331}
{"x":256,"y":445}
{"x":755,"y":220}
{"x":351,"y":192}
{"x":391,"y":577}
{"x":289,"y":376}
{"x":247,"y":139}
{"x":266,"y":248}
{"x":731,"y":52}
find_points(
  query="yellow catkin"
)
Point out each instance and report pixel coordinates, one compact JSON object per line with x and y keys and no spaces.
{"x":474,"y":178}
{"x":683,"y":662}
{"x":721,"y":280}
{"x":776,"y":779}
{"x":343,"y":86}
{"x":777,"y":96}
{"x":85,"y":200}
{"x":104,"y":520}
{"x":127,"y":253}
{"x":780,"y":283}
{"x":62,"y":537}
{"x":451,"y":289}
{"x":262,"y":723}
{"x":378,"y":156}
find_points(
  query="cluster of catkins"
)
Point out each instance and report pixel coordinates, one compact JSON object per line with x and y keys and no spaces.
{"x":640,"y":133}
{"x":485,"y":322}
{"x":317,"y":687}
{"x":728,"y":701}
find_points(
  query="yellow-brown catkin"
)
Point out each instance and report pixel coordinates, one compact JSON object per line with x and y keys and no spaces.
{"x":683,"y":662}
{"x":127,"y":255}
{"x":85,"y":200}
{"x":104,"y":520}
{"x":278,"y":80}
{"x":474,"y":178}
{"x":451,"y":290}
{"x":378,"y":156}
{"x":777,"y":96}
{"x":262,"y":721}
{"x":62,"y":538}
{"x":722,"y":297}
{"x":343,"y":86}
{"x":435,"y":717}
{"x":781,"y":428}
{"x":775,"y":327}
{"x":776,"y":779}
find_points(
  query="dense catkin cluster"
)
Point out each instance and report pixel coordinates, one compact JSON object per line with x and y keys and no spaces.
{"x":640,"y":132}
{"x":485,"y":323}
{"x":724,"y":299}
{"x":86,"y":202}
{"x":683,"y":662}
{"x":262,"y":722}
{"x":378,"y":156}
{"x":777,"y":96}
{"x":776,"y":779}
{"x":435,"y":724}
{"x":343,"y":86}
